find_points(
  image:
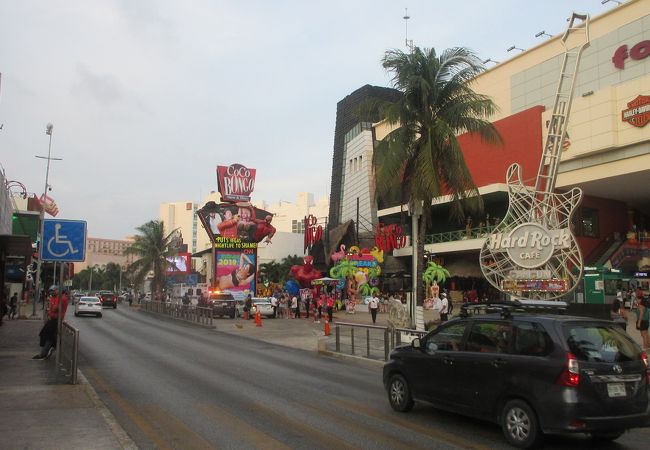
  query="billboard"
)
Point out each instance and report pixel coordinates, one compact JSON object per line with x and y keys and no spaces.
{"x":236,"y":182}
{"x":236,"y":225}
{"x":236,"y":270}
{"x":179,"y":264}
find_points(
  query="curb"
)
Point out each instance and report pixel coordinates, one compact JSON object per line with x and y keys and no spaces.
{"x":122,"y":437}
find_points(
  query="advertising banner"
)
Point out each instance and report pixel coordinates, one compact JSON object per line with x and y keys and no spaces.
{"x":179,"y":264}
{"x":236,"y":270}
{"x":236,"y":225}
{"x":236,"y":182}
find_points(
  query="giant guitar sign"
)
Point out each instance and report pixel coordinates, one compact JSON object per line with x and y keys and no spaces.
{"x":532,"y":252}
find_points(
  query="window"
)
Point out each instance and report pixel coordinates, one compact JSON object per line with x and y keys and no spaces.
{"x":447,"y":338}
{"x":532,"y":340}
{"x":489,"y":337}
{"x":588,"y":225}
{"x":297,"y":226}
{"x":600,"y":343}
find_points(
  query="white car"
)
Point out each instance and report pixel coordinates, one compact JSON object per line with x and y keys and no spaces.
{"x":88,"y":305}
{"x":263,"y":305}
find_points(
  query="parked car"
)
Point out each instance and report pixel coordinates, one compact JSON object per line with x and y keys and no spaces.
{"x":532,"y":373}
{"x":88,"y":305}
{"x":263,"y":305}
{"x":108,"y":298}
{"x":223,"y":304}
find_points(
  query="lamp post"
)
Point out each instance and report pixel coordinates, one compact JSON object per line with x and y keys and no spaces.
{"x":48,"y":130}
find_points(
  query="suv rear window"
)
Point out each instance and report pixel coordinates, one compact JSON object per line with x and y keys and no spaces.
{"x":599,"y":343}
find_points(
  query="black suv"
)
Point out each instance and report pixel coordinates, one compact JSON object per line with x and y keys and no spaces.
{"x":108,"y":298}
{"x":532,"y":372}
{"x":223,"y":304}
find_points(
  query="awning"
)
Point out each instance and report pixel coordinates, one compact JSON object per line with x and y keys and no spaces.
{"x":15,"y":245}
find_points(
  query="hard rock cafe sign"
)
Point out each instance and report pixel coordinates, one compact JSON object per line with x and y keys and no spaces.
{"x":313,"y":231}
{"x":637,"y":112}
{"x":236,"y":182}
{"x":530,"y":245}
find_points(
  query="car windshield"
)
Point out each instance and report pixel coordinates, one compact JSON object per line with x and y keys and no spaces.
{"x":599,"y":343}
{"x":89,"y":299}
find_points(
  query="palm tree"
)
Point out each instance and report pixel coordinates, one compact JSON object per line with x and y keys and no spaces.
{"x":154,"y":250}
{"x":421,"y":158}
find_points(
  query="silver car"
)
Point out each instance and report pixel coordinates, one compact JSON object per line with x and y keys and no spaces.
{"x":263,"y":305}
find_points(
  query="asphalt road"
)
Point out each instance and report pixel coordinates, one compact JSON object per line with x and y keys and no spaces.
{"x":172,"y":385}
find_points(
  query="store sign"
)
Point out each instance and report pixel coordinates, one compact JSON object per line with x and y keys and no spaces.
{"x":637,"y":112}
{"x":236,"y":182}
{"x":637,"y":52}
{"x":313,"y":231}
{"x":552,"y":285}
{"x":530,"y":245}
{"x":529,"y":274}
{"x":388,"y":237}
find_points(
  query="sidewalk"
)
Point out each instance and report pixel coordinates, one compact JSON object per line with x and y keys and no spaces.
{"x":38,"y":413}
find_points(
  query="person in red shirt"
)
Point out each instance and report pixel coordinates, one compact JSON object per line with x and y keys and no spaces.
{"x":49,"y":332}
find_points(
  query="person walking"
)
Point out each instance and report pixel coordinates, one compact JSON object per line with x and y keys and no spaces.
{"x":643,"y":320}
{"x":618,"y":314}
{"x":49,"y":332}
{"x":13,"y":304}
{"x":373,"y":304}
{"x":294,"y":306}
{"x":330,"y":307}
{"x":444,"y":307}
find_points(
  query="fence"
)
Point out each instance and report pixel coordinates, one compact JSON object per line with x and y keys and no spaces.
{"x":370,"y":341}
{"x":195,"y":314}
{"x":69,"y":353}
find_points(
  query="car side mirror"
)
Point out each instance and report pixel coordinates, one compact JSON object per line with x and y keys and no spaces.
{"x":415,"y":343}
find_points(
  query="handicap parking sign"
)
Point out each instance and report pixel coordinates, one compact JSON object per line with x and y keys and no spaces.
{"x":63,"y":240}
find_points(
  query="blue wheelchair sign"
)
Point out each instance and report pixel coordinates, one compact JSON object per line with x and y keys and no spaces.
{"x":63,"y":240}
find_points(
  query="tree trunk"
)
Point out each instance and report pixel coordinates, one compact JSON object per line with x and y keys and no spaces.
{"x":420,"y":261}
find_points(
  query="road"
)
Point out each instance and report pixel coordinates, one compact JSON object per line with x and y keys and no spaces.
{"x":172,"y":385}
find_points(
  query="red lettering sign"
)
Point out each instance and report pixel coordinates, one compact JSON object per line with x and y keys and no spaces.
{"x":389,"y":237}
{"x":236,"y":182}
{"x":637,"y":112}
{"x":313,"y":231}
{"x":638,"y":52}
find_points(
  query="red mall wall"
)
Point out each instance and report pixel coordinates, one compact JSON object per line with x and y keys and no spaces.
{"x":612,"y":217}
{"x":522,"y":143}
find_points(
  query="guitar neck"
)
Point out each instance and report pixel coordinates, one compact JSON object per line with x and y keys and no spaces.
{"x":576,"y":35}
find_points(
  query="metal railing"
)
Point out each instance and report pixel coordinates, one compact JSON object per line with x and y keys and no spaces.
{"x":459,"y":235}
{"x":189,"y":313}
{"x":69,"y":353}
{"x":369,"y":341}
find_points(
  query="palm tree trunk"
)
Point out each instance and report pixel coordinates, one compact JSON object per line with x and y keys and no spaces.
{"x":420,"y":261}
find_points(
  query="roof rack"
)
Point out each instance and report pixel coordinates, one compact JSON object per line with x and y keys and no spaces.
{"x":506,"y":308}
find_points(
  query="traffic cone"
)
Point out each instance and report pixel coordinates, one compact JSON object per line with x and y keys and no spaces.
{"x":327,"y":327}
{"x":258,"y":319}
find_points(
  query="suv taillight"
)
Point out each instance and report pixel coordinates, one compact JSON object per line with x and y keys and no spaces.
{"x":644,"y":358}
{"x":570,"y":376}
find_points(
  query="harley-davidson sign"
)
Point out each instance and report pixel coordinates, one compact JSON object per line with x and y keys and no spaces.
{"x":637,"y":112}
{"x":236,"y":182}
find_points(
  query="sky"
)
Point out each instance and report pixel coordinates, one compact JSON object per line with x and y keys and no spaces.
{"x":147,"y":97}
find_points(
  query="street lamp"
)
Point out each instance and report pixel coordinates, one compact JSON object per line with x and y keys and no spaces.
{"x":48,"y":130}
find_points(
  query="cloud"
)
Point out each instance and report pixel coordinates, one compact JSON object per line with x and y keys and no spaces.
{"x":105,"y":89}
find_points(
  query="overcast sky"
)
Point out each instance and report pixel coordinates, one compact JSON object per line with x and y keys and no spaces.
{"x":147,"y":97}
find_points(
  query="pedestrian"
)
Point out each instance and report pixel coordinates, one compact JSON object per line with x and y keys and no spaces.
{"x":248,"y":307}
{"x":274,"y":305}
{"x":186,"y":299}
{"x":643,"y":320}
{"x":13,"y":304}
{"x":294,"y":307}
{"x":618,"y":314}
{"x":307,"y":304}
{"x":321,"y":300}
{"x":444,"y":307}
{"x":49,"y":332}
{"x":330,"y":307}
{"x":314,"y":306}
{"x":373,"y":304}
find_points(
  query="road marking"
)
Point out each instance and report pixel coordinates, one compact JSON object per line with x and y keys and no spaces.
{"x":242,"y":428}
{"x":153,"y":430}
{"x":395,"y":419}
{"x":295,"y":425}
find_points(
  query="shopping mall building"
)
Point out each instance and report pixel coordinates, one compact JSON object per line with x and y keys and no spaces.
{"x":607,"y":153}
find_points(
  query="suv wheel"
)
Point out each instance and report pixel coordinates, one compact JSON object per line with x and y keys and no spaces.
{"x":399,"y":394}
{"x":520,"y":425}
{"x":607,"y":436}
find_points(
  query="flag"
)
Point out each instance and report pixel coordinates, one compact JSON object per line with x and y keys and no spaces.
{"x":49,"y":205}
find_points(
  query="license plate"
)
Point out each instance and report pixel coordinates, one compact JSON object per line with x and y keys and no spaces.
{"x":616,"y":389}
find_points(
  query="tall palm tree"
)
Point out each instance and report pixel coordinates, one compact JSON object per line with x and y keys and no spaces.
{"x":421,"y":158}
{"x":154,"y":250}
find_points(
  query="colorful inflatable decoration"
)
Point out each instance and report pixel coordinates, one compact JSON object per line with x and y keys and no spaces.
{"x":306,"y":273}
{"x":292,"y":287}
{"x":337,"y":256}
{"x":359,"y":271}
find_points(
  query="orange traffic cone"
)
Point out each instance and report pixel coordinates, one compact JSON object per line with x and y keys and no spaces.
{"x":327,"y":327}
{"x":258,"y":319}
